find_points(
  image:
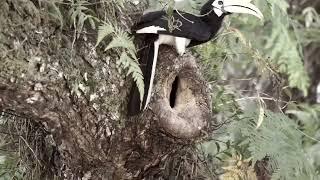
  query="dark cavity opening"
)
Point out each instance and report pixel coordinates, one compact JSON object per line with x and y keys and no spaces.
{"x":173,"y":93}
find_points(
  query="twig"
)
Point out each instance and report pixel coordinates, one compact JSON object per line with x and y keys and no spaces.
{"x":255,"y":98}
{"x":31,"y":150}
{"x":312,"y":138}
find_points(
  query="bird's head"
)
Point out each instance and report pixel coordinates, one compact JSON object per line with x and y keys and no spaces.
{"x":221,"y":7}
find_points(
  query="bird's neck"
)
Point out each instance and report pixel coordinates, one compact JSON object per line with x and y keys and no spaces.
{"x":210,"y":17}
{"x":212,"y":20}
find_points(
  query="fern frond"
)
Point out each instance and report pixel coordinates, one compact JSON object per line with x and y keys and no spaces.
{"x":133,"y":68}
{"x":282,"y":45}
{"x":276,"y":5}
{"x":79,"y":14}
{"x":284,"y":48}
{"x":121,"y":41}
{"x":55,"y":12}
{"x":104,"y":30}
{"x":127,"y":60}
{"x":279,"y":139}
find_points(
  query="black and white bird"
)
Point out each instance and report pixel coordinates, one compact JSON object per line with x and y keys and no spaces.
{"x":189,"y":30}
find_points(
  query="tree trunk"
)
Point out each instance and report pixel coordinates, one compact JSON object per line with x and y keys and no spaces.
{"x":77,"y":98}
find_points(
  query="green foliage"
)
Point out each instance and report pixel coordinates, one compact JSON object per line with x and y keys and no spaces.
{"x":278,"y":48}
{"x":104,"y":31}
{"x":79,"y":14}
{"x":291,"y":145}
{"x":55,"y":12}
{"x":284,"y":46}
{"x":308,"y":116}
{"x":126,"y":61}
{"x":311,"y":30}
{"x":278,"y":44}
{"x":275,"y":5}
{"x":123,"y":44}
{"x":213,"y":56}
{"x":9,"y":168}
{"x":279,"y":139}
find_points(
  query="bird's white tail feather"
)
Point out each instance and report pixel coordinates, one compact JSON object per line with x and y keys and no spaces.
{"x":154,"y":63}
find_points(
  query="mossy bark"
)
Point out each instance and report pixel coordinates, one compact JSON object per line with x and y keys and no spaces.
{"x":78,"y":96}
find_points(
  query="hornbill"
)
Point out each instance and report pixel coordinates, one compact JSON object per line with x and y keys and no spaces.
{"x":188,"y":30}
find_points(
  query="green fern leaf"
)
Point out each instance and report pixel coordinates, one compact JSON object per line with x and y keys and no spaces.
{"x":103,"y":31}
{"x":55,"y":12}
{"x":279,"y":139}
{"x":283,"y":47}
{"x":120,"y":42}
{"x":127,"y":62}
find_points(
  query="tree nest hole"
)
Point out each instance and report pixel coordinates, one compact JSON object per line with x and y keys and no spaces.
{"x":183,"y":106}
{"x":174,"y":91}
{"x":182,"y":93}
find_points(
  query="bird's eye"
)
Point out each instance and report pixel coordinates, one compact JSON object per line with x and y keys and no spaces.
{"x":220,"y":2}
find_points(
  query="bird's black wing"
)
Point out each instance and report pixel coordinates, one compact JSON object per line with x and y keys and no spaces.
{"x":148,"y":18}
{"x":184,"y":25}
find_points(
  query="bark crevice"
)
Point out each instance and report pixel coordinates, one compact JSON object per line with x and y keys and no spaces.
{"x":79,"y":97}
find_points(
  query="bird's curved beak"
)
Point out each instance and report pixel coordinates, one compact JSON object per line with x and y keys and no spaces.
{"x":242,"y":6}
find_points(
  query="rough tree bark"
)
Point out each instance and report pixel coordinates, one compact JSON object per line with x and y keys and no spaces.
{"x":78,"y":97}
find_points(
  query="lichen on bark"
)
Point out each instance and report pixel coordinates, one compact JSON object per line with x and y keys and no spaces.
{"x":77,"y":95}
